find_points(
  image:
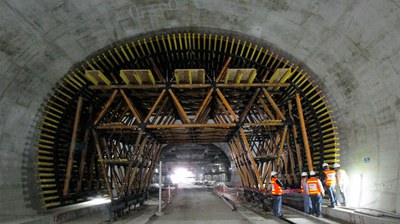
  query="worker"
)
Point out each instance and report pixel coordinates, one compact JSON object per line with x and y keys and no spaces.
{"x":329,"y":180}
{"x":306,"y":198}
{"x":316,"y":191}
{"x":276,"y":190}
{"x":342,"y":181}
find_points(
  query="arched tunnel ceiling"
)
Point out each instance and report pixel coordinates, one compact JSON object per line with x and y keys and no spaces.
{"x":351,"y":46}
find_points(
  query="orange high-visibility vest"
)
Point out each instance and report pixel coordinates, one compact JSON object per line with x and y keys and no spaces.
{"x":330,"y":177}
{"x":313,"y":186}
{"x":276,"y":189}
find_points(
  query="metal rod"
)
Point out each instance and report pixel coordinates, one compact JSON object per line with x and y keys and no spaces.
{"x":159,"y":188}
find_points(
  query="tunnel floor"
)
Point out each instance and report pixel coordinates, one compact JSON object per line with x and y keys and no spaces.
{"x":198,"y":206}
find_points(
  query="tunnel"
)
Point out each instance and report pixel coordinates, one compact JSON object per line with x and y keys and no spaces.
{"x":95,"y":94}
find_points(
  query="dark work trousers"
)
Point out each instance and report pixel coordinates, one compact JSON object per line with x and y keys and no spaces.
{"x":316,"y":204}
{"x":277,"y":205}
{"x":307,"y":203}
{"x":332,"y":196}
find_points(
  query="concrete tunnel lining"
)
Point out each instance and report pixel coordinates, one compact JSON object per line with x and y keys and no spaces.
{"x":357,"y":65}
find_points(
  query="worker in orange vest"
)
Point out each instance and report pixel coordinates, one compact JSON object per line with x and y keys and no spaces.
{"x":306,"y":198}
{"x":276,"y":190}
{"x":330,"y":183}
{"x":316,"y":191}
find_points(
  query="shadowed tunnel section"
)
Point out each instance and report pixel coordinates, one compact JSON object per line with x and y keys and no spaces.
{"x":107,"y":121}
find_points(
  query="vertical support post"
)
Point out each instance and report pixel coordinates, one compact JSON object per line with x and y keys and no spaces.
{"x":169,"y":194}
{"x":304,"y":132}
{"x":159,"y":213}
{"x":72,"y":146}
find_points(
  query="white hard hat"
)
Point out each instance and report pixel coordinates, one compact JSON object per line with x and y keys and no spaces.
{"x":336,"y":165}
{"x":273,"y":173}
{"x":312,"y":173}
{"x":303,"y":174}
{"x":324,"y":165}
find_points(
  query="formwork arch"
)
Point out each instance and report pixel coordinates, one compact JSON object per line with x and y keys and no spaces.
{"x":106,"y":122}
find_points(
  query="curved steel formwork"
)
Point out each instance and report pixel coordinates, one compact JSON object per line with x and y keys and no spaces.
{"x":105,"y":124}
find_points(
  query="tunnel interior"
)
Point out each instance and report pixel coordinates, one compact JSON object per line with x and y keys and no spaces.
{"x":110,"y":118}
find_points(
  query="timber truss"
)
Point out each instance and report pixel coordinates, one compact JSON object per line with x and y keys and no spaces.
{"x":104,"y":128}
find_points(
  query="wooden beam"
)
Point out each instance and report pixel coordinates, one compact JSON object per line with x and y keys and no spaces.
{"x":225,"y":114}
{"x":251,"y":158}
{"x":83,"y":159}
{"x":244,"y":162}
{"x":221,"y":73}
{"x":108,"y":104}
{"x":265,"y":107}
{"x":133,"y":173}
{"x":249,"y":182}
{"x":163,"y":104}
{"x":225,"y":102}
{"x":131,"y":107}
{"x":295,"y":136}
{"x":188,"y":86}
{"x":157,"y":71}
{"x":72,"y":146}
{"x":181,"y":111}
{"x":238,"y":166}
{"x":281,"y":145}
{"x":291,"y":159}
{"x":131,"y":161}
{"x":154,"y":106}
{"x":249,"y":105}
{"x":102,"y":165}
{"x":203,"y":105}
{"x":153,"y":163}
{"x":272,"y":102}
{"x":304,"y":132}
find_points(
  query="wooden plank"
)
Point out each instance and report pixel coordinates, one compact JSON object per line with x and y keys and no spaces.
{"x":72,"y":146}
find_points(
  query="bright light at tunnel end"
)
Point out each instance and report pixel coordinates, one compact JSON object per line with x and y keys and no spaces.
{"x":182,"y":175}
